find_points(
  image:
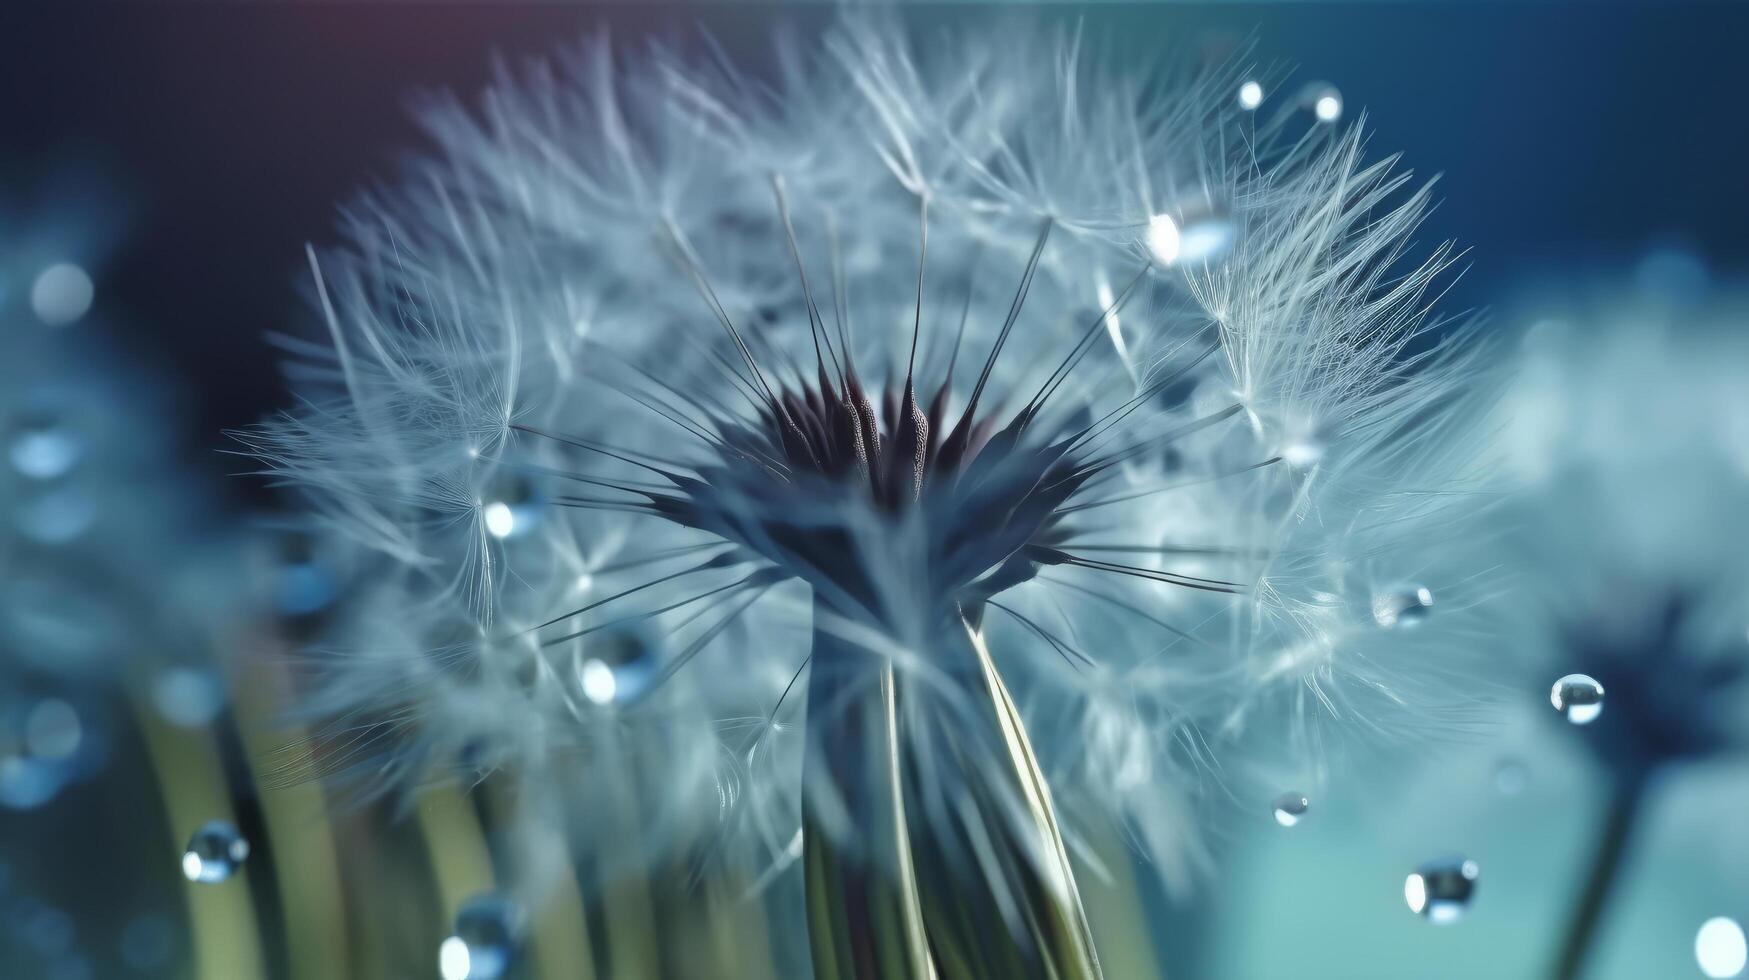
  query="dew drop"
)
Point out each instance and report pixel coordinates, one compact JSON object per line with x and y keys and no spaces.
{"x":511,"y":507}
{"x":1404,"y":608}
{"x":215,"y":852}
{"x":1290,"y":808}
{"x":484,"y":945}
{"x":1579,"y":697}
{"x":1441,"y":891}
{"x":27,"y":783}
{"x":188,"y":697}
{"x":1163,"y":239}
{"x":1303,"y":452}
{"x":61,"y":294}
{"x":1250,"y":95}
{"x":43,"y":449}
{"x":1720,"y":948}
{"x":618,"y":667}
{"x":1323,"y":100}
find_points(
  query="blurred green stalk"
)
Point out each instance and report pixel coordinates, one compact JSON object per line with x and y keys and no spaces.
{"x":929,"y":842}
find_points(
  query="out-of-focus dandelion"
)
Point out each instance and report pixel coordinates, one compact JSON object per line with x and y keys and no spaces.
{"x":92,"y":508}
{"x":1060,"y":426}
{"x":117,"y":582}
{"x":1629,"y":429}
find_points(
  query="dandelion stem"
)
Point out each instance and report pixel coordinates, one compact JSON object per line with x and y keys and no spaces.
{"x":930,"y":843}
{"x":1607,"y":858}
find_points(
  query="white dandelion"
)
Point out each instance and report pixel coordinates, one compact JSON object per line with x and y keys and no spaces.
{"x":847,"y":454}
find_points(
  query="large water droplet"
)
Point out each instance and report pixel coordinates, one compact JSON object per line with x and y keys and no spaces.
{"x":1405,"y":607}
{"x":1441,"y":890}
{"x":1250,"y":95}
{"x":484,"y":945}
{"x":1579,"y":697}
{"x":1720,"y":948}
{"x":215,"y":852}
{"x":617,"y":666}
{"x":1290,"y":808}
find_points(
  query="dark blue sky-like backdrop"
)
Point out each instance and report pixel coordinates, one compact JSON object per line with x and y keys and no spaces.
{"x":1570,"y":136}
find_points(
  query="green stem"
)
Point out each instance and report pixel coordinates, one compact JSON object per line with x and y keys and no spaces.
{"x":864,"y":922}
{"x":936,"y":852}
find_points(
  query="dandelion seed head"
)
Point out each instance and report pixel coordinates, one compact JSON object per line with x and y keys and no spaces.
{"x":890,"y":334}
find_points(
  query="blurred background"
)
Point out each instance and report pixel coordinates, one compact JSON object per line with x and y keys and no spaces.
{"x":162,"y":166}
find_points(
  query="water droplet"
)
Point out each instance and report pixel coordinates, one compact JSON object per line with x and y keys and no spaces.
{"x":511,"y":506}
{"x":1404,"y":607}
{"x":39,"y":747}
{"x":43,"y":449}
{"x":1250,"y":95}
{"x":1579,"y":697}
{"x":1720,"y":948}
{"x":1442,"y":890}
{"x":618,"y":667}
{"x":1290,"y":808}
{"x":61,"y":294}
{"x":484,"y":945}
{"x":1323,"y":100}
{"x":215,"y":852}
{"x":1163,"y":239}
{"x":27,"y":783}
{"x":1304,"y":451}
{"x":188,"y":697}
